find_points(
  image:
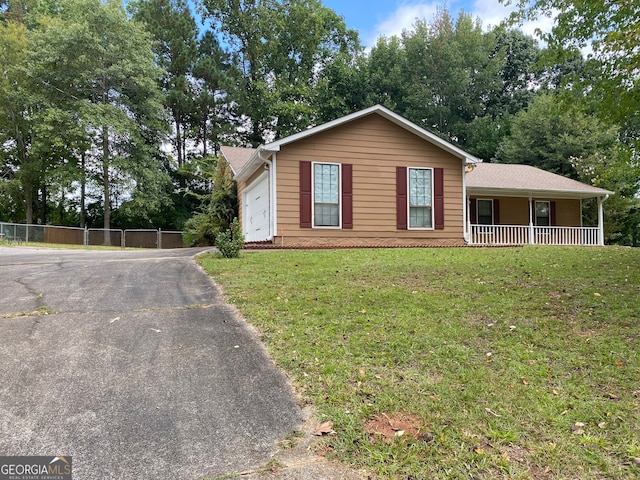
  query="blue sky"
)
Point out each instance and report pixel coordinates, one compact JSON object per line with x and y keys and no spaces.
{"x":373,"y":18}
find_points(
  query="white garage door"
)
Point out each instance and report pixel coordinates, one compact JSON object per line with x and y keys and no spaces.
{"x":256,"y":211}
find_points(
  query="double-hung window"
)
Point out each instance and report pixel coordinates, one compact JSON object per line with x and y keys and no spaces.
{"x":543,"y":214}
{"x":484,"y":209}
{"x":326,"y":195}
{"x":420,"y":198}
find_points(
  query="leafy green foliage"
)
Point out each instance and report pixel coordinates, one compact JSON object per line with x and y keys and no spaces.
{"x":548,"y":135}
{"x":230,"y":241}
{"x":174,"y":31}
{"x":219,"y":210}
{"x":200,"y":230}
{"x":279,"y":47}
{"x":498,"y":352}
{"x":611,"y":30}
{"x":454,"y":79}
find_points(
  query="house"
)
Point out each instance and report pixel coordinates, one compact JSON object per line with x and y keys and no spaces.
{"x":372,"y":178}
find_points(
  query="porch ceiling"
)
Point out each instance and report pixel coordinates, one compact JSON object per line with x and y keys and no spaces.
{"x":510,"y":180}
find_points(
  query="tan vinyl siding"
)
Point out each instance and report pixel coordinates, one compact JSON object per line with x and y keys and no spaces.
{"x":515,"y":210}
{"x":375,"y":147}
{"x":568,"y":213}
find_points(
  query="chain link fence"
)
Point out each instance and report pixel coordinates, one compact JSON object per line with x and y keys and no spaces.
{"x":138,"y":238}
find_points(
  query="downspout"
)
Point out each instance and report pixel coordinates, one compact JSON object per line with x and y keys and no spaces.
{"x":465,"y":230}
{"x":274,"y":197}
{"x":601,"y":200}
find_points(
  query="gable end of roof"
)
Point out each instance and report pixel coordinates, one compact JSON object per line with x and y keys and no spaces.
{"x":237,"y":157}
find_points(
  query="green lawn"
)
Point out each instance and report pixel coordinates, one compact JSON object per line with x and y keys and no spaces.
{"x":517,"y":362}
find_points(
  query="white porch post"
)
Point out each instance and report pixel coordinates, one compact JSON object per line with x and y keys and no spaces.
{"x":531,"y":232}
{"x":600,"y":221}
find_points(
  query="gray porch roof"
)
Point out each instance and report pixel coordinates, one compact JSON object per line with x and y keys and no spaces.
{"x":521,"y":180}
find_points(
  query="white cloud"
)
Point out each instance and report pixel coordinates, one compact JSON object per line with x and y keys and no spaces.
{"x":490,"y":12}
{"x":403,"y":18}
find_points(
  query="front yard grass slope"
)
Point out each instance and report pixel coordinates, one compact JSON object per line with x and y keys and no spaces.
{"x":483,"y":363}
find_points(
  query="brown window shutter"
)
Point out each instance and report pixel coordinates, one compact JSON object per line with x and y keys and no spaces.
{"x":438,"y":197}
{"x":496,"y":211}
{"x":401,"y":198}
{"x":552,"y":213}
{"x":306,"y":195}
{"x":347,"y":195}
{"x":473,"y":211}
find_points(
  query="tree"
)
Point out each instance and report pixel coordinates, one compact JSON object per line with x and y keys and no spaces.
{"x":611,"y":29}
{"x":214,"y":77}
{"x":280,"y":47}
{"x":443,"y":76}
{"x":549,"y":136}
{"x":387,"y":69}
{"x":174,"y":31}
{"x":98,"y":64}
{"x":20,"y":112}
{"x":519,"y":72}
{"x":219,"y":209}
{"x":617,"y":172}
{"x":343,"y":87}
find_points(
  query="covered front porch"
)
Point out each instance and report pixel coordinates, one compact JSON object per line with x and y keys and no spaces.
{"x":523,"y":205}
{"x":533,"y":235}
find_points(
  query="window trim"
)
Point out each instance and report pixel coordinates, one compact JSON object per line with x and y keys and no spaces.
{"x":313,"y":197}
{"x":535,"y":212}
{"x":493,"y":214}
{"x":433,"y":196}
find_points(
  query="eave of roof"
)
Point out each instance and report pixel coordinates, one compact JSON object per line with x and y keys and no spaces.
{"x":256,"y":159}
{"x":524,"y":180}
{"x":237,"y":157}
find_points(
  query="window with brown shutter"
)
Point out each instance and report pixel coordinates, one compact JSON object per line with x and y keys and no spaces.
{"x":347,"y":196}
{"x":401,"y":198}
{"x":320,"y":203}
{"x":438,"y":198}
{"x":305,"y":194}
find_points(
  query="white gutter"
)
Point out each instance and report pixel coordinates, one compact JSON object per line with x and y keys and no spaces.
{"x":465,"y":232}
{"x":539,"y":193}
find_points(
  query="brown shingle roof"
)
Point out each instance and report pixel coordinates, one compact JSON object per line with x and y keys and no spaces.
{"x":237,"y":156}
{"x":511,"y":177}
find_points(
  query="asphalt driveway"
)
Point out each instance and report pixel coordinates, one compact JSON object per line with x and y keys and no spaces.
{"x":139,"y":370}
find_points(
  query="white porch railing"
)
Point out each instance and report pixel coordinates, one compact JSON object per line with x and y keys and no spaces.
{"x":525,"y":234}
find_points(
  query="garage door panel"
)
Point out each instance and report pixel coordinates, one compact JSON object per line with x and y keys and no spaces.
{"x":256,"y":204}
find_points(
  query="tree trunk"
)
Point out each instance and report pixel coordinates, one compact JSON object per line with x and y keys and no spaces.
{"x":62,"y":194}
{"x":204,"y":134}
{"x":43,"y":205}
{"x":106,"y":185}
{"x":28,"y":202}
{"x":178,"y":140}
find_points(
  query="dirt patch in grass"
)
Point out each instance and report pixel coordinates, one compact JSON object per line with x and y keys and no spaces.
{"x":389,"y":427}
{"x":540,"y":473}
